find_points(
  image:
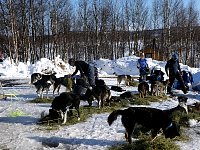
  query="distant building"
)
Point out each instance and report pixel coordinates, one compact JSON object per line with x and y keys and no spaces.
{"x":153,"y":51}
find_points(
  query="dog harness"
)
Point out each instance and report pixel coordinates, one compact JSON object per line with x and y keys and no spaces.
{"x":169,"y":126}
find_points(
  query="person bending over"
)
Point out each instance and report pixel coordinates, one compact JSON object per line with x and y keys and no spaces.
{"x":86,"y":70}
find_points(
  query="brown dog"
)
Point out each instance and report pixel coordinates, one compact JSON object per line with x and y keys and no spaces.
{"x":66,"y":81}
{"x":165,"y":84}
{"x":157,"y":88}
{"x":143,"y":89}
{"x":125,"y":78}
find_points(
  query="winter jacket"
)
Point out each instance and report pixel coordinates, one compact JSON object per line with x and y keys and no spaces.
{"x":81,"y":66}
{"x":85,"y":70}
{"x":142,"y":64}
{"x":173,"y":67}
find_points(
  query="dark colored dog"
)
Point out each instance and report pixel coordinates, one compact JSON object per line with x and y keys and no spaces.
{"x":143,"y":89}
{"x":99,"y":82}
{"x":64,"y":81}
{"x":117,"y":89}
{"x":87,"y":96}
{"x":35,"y":77}
{"x":100,"y":93}
{"x":125,"y":95}
{"x":60,"y":104}
{"x":82,"y":82}
{"x":115,"y":99}
{"x":150,"y":118}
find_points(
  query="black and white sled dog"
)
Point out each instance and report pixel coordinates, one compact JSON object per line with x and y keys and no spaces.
{"x":182,"y":106}
{"x":63,"y":103}
{"x":42,"y":82}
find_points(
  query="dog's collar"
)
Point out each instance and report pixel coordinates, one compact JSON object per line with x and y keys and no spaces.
{"x":169,"y":126}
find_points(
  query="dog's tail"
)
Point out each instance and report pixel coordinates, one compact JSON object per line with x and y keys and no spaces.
{"x":113,"y":116}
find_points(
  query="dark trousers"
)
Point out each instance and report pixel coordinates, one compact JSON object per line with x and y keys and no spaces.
{"x":91,"y":75}
{"x":143,"y":75}
{"x":180,"y":80}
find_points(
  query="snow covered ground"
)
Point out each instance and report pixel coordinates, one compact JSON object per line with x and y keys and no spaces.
{"x":22,"y":132}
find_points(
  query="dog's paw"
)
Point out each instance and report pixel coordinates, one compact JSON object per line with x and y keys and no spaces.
{"x":64,"y":122}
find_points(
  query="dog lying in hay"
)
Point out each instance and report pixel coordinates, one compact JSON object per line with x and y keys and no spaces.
{"x":126,"y":94}
{"x":117,"y":89}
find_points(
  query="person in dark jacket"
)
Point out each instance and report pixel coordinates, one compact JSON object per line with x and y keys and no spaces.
{"x":173,"y":70}
{"x":86,"y":70}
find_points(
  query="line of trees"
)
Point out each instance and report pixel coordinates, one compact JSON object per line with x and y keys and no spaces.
{"x":93,"y":29}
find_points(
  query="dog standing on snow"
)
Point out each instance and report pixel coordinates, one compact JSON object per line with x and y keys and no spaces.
{"x":143,"y":89}
{"x":151,"y":118}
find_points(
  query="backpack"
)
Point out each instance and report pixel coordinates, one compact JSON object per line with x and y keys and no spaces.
{"x":159,"y":75}
{"x":187,"y":77}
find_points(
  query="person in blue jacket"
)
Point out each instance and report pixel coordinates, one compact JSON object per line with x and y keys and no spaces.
{"x":143,"y":67}
{"x":173,"y":70}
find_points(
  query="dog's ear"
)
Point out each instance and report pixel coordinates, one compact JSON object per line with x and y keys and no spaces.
{"x":180,"y":97}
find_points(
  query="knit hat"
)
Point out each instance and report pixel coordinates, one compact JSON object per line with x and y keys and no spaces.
{"x":175,"y":56}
